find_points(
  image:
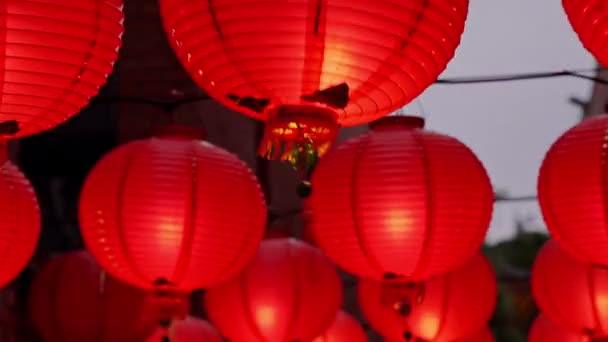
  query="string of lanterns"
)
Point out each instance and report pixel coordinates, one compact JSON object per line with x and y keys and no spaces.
{"x":403,"y":208}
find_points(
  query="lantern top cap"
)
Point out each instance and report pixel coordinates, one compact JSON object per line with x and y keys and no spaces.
{"x":178,"y":132}
{"x":398,"y":121}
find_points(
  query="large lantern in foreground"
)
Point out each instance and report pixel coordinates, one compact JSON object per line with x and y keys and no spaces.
{"x":55,"y":56}
{"x":572,"y":186}
{"x":571,"y":293}
{"x":400,"y":202}
{"x":73,"y":300}
{"x":442,"y":309}
{"x":588,"y":19}
{"x":289,"y":292}
{"x":544,"y":330}
{"x":308,"y":66}
{"x":172,"y":212}
{"x":19,"y":220}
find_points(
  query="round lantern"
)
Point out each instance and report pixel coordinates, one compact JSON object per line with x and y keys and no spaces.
{"x":188,"y":330}
{"x":444,"y":308}
{"x":289,"y":292}
{"x":72,"y":300}
{"x":308,"y":67}
{"x":20,"y":217}
{"x":344,"y":329}
{"x":544,"y":330}
{"x":588,"y":19}
{"x":571,"y":190}
{"x":483,"y":335}
{"x":569,"y":292}
{"x":55,"y":56}
{"x":400,"y":202}
{"x":172,"y":212}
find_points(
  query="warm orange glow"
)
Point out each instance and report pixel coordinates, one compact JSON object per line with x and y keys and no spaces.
{"x":429,"y":326}
{"x":265,"y":316}
{"x":397,"y":222}
{"x":168,"y":234}
{"x":336,"y":64}
{"x":601,"y":304}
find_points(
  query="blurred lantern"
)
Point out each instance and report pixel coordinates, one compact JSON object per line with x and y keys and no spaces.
{"x":400,"y":202}
{"x":20,"y":216}
{"x":589,"y":20}
{"x":444,"y":308}
{"x":72,"y":300}
{"x":189,"y":330}
{"x":289,"y":292}
{"x":572,"y":187}
{"x":571,"y":293}
{"x":54,"y":57}
{"x":307,"y":67}
{"x":344,"y":329}
{"x":483,"y":335}
{"x":172,"y":213}
{"x":544,"y":330}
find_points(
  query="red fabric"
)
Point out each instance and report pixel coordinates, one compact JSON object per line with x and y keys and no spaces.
{"x":452,"y":306}
{"x":172,"y":208}
{"x":483,"y":335}
{"x":289,"y":292}
{"x":569,"y":292}
{"x":344,"y":329}
{"x":544,"y":330}
{"x":400,"y":200}
{"x":573,"y":188}
{"x":20,"y":217}
{"x":189,"y":330}
{"x":71,"y":300}
{"x":54,"y":57}
{"x":387,"y":52}
{"x":589,"y":19}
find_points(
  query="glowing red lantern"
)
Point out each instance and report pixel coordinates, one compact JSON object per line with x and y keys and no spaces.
{"x":400,"y":201}
{"x":344,"y":329}
{"x":569,"y":292}
{"x":72,"y":300}
{"x":544,"y":330}
{"x":189,"y":330}
{"x":20,"y":217}
{"x":571,"y":190}
{"x":588,"y":19}
{"x":289,"y":292}
{"x":54,"y":57}
{"x":307,"y":67}
{"x":483,"y":335}
{"x":444,"y":308}
{"x":172,"y":212}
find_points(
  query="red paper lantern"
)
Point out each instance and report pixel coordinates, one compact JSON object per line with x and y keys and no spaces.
{"x":544,"y":330}
{"x":400,"y":201}
{"x":308,"y":66}
{"x":189,"y":330}
{"x":571,"y":190}
{"x":20,"y":217}
{"x":588,"y":19}
{"x":54,"y":57}
{"x":569,"y":292}
{"x":344,"y":329}
{"x":289,"y":292}
{"x":483,"y":335}
{"x":172,"y":212}
{"x":444,"y":308}
{"x":72,"y":300}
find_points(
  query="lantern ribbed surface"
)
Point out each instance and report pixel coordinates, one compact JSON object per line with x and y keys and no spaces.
{"x":20,"y":217}
{"x":73,"y":300}
{"x":54,"y":57}
{"x":344,"y":329}
{"x":445,"y":308}
{"x":571,"y":293}
{"x":289,"y":292}
{"x":544,"y":330}
{"x":589,"y":19}
{"x":172,"y":210}
{"x":190,"y":329}
{"x":483,"y":335}
{"x":400,"y":201}
{"x":573,"y":188}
